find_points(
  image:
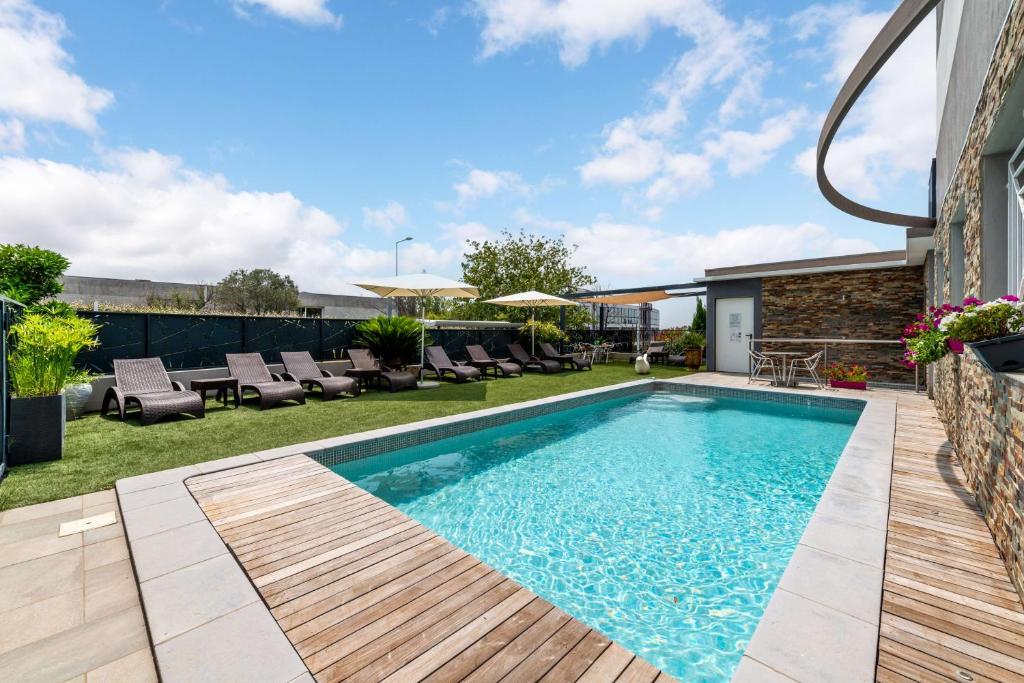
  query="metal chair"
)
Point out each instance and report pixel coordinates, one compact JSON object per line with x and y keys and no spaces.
{"x":810,"y":365}
{"x":758,"y":364}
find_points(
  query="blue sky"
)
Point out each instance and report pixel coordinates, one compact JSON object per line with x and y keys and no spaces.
{"x":180,"y":139}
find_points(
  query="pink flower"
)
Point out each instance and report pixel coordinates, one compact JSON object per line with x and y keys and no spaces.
{"x":973,"y":301}
{"x":1011,"y":298}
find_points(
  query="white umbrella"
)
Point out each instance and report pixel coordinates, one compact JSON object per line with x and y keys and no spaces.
{"x":531,"y":300}
{"x":419,"y":285}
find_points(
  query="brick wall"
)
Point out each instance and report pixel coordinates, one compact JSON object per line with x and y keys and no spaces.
{"x":858,"y":304}
{"x":983,"y":412}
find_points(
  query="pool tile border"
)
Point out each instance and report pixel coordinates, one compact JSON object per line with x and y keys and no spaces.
{"x":158,"y":512}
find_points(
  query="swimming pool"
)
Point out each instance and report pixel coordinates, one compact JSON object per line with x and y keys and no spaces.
{"x":663,"y":520}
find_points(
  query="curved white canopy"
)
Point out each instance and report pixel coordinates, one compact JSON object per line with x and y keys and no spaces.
{"x":531,"y":299}
{"x":419,"y":284}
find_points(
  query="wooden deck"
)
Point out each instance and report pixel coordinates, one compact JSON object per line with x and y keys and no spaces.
{"x":949,"y":611}
{"x":365,"y":593}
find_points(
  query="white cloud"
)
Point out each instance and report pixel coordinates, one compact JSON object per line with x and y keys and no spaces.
{"x":745,"y":152}
{"x":480,"y":184}
{"x":12,"y":136}
{"x":35,"y":80}
{"x":890,"y":133}
{"x":635,"y":253}
{"x":309,"y":12}
{"x":144,"y":214}
{"x":386,"y":218}
{"x":437,"y":20}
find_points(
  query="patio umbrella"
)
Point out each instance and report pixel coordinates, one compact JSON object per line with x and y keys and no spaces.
{"x":419,"y":285}
{"x":531,"y":300}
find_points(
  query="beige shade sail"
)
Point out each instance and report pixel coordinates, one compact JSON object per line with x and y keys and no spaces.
{"x":419,"y":285}
{"x":630,"y":298}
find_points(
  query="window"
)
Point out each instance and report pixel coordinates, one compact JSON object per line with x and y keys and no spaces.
{"x":956,"y":263}
{"x":311,"y":312}
{"x":1015,"y":222}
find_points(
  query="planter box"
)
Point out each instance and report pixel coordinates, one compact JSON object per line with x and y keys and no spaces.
{"x":37,"y":429}
{"x":845,"y":384}
{"x":1002,"y":354}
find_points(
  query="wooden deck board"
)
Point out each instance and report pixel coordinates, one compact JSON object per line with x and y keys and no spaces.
{"x":949,"y":611}
{"x":366,"y":594}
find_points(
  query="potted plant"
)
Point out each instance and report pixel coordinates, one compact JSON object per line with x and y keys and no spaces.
{"x":41,"y":363}
{"x":993,"y":329}
{"x":692,"y":343}
{"x":847,"y":377}
{"x":394,"y":341}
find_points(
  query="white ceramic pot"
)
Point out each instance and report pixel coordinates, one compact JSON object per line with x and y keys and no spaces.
{"x":642,"y":366}
{"x":75,"y":398}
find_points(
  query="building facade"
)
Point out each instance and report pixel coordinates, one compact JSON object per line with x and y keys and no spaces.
{"x":978,"y":246}
{"x":857,"y":299}
{"x":89,"y":292}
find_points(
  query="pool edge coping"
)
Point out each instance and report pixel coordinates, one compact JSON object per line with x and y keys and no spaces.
{"x":158,"y":506}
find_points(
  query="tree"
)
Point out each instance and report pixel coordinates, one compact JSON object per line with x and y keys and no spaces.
{"x":700,"y":318}
{"x":517,"y":263}
{"x":258,"y":291}
{"x":30,"y":274}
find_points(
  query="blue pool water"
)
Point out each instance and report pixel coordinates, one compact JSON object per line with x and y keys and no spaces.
{"x":663,"y":521}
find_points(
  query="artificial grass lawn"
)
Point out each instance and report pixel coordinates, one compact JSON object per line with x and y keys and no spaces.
{"x":99,"y":451}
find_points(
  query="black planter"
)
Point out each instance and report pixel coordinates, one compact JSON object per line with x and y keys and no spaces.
{"x":37,"y":429}
{"x":1002,"y":354}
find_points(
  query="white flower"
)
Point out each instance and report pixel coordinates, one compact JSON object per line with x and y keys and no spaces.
{"x":948,"y":320}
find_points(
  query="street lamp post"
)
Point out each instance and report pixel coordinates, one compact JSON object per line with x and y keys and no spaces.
{"x":404,"y":239}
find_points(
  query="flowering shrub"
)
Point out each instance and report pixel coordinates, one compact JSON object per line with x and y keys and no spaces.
{"x":980,"y":320}
{"x":842,"y":373}
{"x":926,"y":339}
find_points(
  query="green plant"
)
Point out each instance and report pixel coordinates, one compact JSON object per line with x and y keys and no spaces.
{"x":30,"y":274}
{"x":700,"y":318}
{"x":847,"y":373}
{"x":984,"y":320}
{"x":541,"y":330}
{"x":926,"y":346}
{"x":395,"y":340}
{"x":258,"y":291}
{"x":692,"y":339}
{"x":44,"y":350}
{"x":54,"y":308}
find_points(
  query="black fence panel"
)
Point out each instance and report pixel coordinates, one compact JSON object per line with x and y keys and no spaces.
{"x":200,"y":341}
{"x":191,"y":341}
{"x":270,"y":336}
{"x":122,"y":335}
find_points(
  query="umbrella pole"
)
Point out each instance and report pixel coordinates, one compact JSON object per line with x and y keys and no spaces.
{"x":533,"y":332}
{"x":423,"y":336}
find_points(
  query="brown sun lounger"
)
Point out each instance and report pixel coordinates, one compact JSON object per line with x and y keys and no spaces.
{"x":564,"y":359}
{"x":528,"y":362}
{"x":253,"y":375}
{"x":482,"y":361}
{"x":144,"y":382}
{"x":368,"y":369}
{"x":441,"y":365}
{"x":300,"y":367}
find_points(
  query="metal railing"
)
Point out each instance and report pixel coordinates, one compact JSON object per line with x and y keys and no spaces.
{"x":824,"y":343}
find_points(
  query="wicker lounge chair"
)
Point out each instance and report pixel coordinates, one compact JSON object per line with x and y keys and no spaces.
{"x":144,"y":381}
{"x":566,"y":359}
{"x":481,"y":360}
{"x":300,"y":367}
{"x":528,"y":362}
{"x":656,"y":352}
{"x":366,"y":368}
{"x":441,"y":365}
{"x":253,"y":375}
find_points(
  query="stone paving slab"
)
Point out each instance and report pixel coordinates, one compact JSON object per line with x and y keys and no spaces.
{"x":69,"y":607}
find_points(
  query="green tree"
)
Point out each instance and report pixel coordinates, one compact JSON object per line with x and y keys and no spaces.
{"x":700,"y":318}
{"x":258,"y":291}
{"x":30,"y":274}
{"x":518,"y":263}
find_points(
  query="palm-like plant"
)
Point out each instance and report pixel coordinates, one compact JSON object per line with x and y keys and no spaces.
{"x":396,"y":341}
{"x":45,"y":347}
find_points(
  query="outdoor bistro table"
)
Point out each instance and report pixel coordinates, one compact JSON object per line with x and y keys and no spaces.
{"x":222,"y":385}
{"x":787,"y":364}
